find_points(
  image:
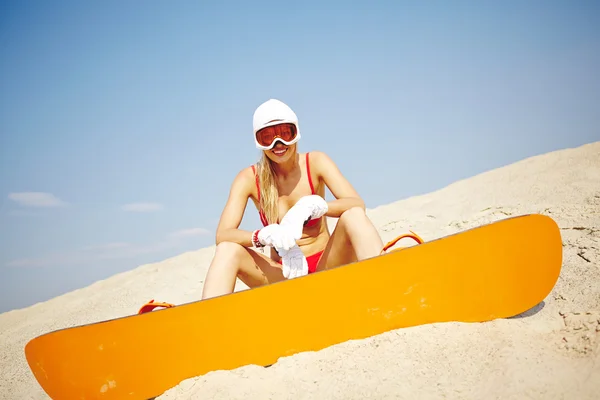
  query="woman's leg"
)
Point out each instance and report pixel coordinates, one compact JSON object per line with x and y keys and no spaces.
{"x":354,"y":238}
{"x":231,"y":261}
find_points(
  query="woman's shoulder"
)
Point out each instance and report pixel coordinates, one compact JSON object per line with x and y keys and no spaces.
{"x":244,"y":179}
{"x":320,"y":159}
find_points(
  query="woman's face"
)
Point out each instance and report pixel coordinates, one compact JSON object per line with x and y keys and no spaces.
{"x":276,"y":134}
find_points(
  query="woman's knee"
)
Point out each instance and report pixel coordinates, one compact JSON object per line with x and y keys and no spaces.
{"x":352,"y":214}
{"x":230,"y":250}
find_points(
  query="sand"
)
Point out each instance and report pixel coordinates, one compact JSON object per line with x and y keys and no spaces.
{"x":549,"y":352}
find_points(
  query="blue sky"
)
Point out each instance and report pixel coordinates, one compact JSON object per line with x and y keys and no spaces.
{"x":123,"y":123}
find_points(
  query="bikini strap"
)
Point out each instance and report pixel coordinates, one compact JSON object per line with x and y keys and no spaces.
{"x":262,"y":215}
{"x":312,"y":188}
{"x":257,"y":184}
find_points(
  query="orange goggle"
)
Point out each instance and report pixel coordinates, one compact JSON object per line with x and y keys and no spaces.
{"x":265,"y":138}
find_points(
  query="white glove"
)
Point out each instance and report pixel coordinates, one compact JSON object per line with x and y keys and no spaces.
{"x":307,"y":208}
{"x":277,"y":236}
{"x":294,"y":263}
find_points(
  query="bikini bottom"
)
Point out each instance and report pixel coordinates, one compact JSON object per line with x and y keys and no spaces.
{"x":312,"y":261}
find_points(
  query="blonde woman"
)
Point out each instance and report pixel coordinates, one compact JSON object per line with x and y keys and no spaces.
{"x":288,"y":190}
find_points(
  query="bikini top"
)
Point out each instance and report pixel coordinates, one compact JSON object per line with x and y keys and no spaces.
{"x":263,"y":218}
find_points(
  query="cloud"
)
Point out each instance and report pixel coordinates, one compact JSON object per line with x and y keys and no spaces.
{"x":36,"y":199}
{"x":142,"y":207}
{"x":184,"y":233}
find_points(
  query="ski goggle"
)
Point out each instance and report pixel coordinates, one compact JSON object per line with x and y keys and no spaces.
{"x":287,"y":133}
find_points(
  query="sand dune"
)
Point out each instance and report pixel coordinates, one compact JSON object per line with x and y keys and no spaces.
{"x":550,"y":352}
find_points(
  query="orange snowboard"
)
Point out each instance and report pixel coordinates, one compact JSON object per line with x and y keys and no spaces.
{"x":494,"y":271}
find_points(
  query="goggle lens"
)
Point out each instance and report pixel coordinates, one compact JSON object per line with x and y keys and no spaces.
{"x":266,"y":136}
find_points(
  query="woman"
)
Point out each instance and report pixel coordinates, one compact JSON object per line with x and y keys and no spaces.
{"x":289,"y":185}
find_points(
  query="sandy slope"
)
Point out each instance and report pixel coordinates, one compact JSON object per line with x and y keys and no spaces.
{"x":552,"y":352}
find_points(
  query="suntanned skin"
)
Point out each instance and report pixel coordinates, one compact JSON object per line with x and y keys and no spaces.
{"x":354,"y":237}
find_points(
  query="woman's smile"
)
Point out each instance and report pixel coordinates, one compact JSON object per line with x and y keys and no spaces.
{"x":280,"y":152}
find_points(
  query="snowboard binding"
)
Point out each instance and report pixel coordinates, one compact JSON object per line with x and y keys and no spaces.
{"x":410,"y":235}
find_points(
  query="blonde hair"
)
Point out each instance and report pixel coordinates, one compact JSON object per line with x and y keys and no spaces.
{"x":269,"y":194}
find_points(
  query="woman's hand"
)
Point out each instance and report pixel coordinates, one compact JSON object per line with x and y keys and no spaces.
{"x":294,"y":263}
{"x":276,"y":236}
{"x":307,"y":208}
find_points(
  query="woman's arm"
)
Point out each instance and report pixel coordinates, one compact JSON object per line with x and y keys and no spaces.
{"x":233,"y":212}
{"x":345,"y":194}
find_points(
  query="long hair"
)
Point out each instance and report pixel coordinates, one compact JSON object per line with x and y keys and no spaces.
{"x":269,"y":194}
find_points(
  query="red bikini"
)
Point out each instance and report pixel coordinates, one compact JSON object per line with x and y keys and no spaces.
{"x":312,"y":260}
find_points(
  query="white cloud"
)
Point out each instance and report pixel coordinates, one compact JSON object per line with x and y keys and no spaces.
{"x":36,"y":199}
{"x":142,"y":207}
{"x":184,"y":233}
